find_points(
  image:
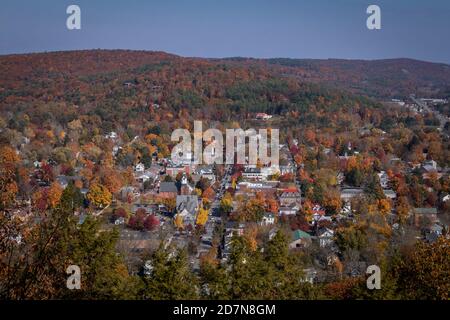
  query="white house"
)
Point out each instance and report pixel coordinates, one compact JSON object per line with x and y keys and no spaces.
{"x":111,"y":135}
{"x":384,"y":179}
{"x":140,"y":167}
{"x":325,"y":236}
{"x":268,"y":219}
{"x":263,"y":116}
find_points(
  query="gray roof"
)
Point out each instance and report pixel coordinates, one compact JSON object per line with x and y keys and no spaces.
{"x":290,"y":195}
{"x":188,"y":202}
{"x":252,"y":170}
{"x":425,"y":210}
{"x":168,"y":187}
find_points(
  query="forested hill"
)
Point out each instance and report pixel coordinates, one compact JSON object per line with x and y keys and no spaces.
{"x":121,"y":85}
{"x":379,"y":78}
{"x":376,"y":78}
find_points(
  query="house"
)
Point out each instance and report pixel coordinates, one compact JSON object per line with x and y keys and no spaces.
{"x":325,"y":236}
{"x":207,"y":172}
{"x":263,"y":116}
{"x":143,"y":177}
{"x":317,"y":212}
{"x":384,"y":179}
{"x":167,"y":190}
{"x":267,"y":219}
{"x":173,"y":170}
{"x":288,"y":210}
{"x":272,"y":233}
{"x":346,"y":208}
{"x":186,"y":188}
{"x":149,"y":208}
{"x":140,"y":167}
{"x":290,"y":196}
{"x":232,"y":228}
{"x":430,"y":166}
{"x":427,"y":215}
{"x":436,"y":228}
{"x":112,"y":135}
{"x":340,"y":178}
{"x":129,"y":192}
{"x":119,"y":221}
{"x":185,"y":158}
{"x":288,"y":168}
{"x":390,"y":194}
{"x":318,"y":209}
{"x":301,"y":239}
{"x":187,"y":207}
{"x":235,"y":228}
{"x":349,"y":193}
{"x":65,"y":180}
{"x":310,"y":275}
{"x":251,"y":173}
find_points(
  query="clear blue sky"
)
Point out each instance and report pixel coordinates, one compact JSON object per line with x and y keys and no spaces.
{"x":224,"y":28}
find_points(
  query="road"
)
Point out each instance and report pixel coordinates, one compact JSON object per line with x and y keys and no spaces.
{"x":214,"y":218}
{"x":442,"y":119}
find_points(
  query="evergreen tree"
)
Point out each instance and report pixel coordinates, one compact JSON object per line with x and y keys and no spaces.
{"x":170,"y":277}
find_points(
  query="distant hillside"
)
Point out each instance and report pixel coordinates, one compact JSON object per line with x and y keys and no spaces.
{"x":377,"y":78}
{"x":380,"y":78}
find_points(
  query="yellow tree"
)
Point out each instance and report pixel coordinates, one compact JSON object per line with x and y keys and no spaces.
{"x":233,"y":183}
{"x":202,"y":217}
{"x":8,"y":186}
{"x":54,"y":194}
{"x":250,"y":234}
{"x":179,"y":222}
{"x":99,"y":195}
{"x":384,"y":206}
{"x":403,"y":208}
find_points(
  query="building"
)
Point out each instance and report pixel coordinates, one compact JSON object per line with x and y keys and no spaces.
{"x":129,"y":192}
{"x":207,"y":172}
{"x":187,"y":207}
{"x":348,"y":193}
{"x":384,"y":179}
{"x":186,"y":188}
{"x":325,"y":237}
{"x":289,"y":210}
{"x":301,"y":239}
{"x":390,"y":194}
{"x":424,"y":215}
{"x":148,"y":207}
{"x":310,"y":275}
{"x":140,"y":167}
{"x":173,"y":170}
{"x":251,"y":173}
{"x":232,"y":228}
{"x":268,"y":219}
{"x":289,"y":197}
{"x":167,"y":190}
{"x":288,"y":168}
{"x":263,"y":116}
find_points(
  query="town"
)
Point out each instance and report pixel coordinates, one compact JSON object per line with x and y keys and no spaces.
{"x":96,"y":177}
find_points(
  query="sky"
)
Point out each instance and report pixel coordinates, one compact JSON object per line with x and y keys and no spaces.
{"x":228,"y":28}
